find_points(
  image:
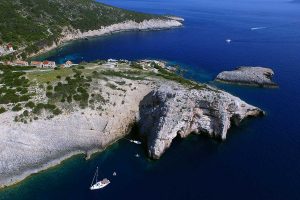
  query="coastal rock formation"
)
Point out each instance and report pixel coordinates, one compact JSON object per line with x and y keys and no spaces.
{"x":256,"y":76}
{"x":127,"y":26}
{"x":120,"y":95}
{"x":175,"y":111}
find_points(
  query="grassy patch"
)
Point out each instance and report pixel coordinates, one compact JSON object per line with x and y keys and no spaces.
{"x":128,"y":74}
{"x":49,"y":76}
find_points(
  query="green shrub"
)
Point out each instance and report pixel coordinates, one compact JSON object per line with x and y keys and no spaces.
{"x":136,"y":65}
{"x":26,"y":113}
{"x":17,"y":108}
{"x":2,"y":110}
{"x":56,"y":111}
{"x":69,"y":99}
{"x":30,"y":104}
{"x":49,"y":94}
{"x":49,"y":87}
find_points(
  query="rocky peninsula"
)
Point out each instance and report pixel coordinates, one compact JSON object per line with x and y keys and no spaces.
{"x":254,"y":76}
{"x":66,"y":21}
{"x":70,"y":34}
{"x":86,"y":108}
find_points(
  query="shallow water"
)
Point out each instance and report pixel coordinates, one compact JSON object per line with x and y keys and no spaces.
{"x":259,"y":160}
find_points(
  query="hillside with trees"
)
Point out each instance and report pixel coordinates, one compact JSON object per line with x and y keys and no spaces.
{"x":32,"y":24}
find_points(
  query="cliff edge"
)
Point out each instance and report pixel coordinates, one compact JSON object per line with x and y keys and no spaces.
{"x":169,"y":112}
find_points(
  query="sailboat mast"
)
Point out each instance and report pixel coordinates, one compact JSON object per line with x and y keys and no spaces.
{"x":95,"y":176}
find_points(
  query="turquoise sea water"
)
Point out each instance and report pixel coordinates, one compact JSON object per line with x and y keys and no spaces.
{"x":259,"y":160}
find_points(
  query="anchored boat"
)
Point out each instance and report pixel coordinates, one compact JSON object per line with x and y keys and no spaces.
{"x":95,"y":185}
{"x":133,"y":141}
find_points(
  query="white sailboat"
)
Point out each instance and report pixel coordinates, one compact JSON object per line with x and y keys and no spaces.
{"x":95,"y":185}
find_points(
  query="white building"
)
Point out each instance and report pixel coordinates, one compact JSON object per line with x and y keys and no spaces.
{"x":36,"y":64}
{"x":20,"y":63}
{"x":68,"y":64}
{"x":49,"y":64}
{"x":10,"y":47}
{"x":112,"y":60}
{"x":2,"y":50}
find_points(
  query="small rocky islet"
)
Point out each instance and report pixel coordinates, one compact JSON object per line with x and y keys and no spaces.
{"x":247,"y":75}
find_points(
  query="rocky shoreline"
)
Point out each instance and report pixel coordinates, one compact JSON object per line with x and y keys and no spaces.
{"x":163,"y":108}
{"x":70,"y":34}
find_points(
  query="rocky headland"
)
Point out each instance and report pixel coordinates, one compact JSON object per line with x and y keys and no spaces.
{"x":253,"y":76}
{"x":171,"y":111}
{"x":89,"y":107}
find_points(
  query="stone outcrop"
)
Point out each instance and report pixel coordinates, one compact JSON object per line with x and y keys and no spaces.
{"x":256,"y":76}
{"x":175,"y":111}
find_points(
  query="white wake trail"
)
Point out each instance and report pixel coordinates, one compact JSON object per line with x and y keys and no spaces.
{"x":258,"y":28}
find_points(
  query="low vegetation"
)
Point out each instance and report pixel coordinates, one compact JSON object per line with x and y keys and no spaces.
{"x":73,"y":88}
{"x":64,"y":90}
{"x":13,"y":85}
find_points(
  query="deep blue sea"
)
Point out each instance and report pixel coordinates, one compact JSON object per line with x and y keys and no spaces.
{"x":259,"y":160}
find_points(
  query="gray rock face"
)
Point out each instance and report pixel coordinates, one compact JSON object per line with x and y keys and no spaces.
{"x":256,"y":76}
{"x":169,"y":112}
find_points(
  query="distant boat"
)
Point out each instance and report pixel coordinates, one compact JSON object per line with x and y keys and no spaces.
{"x":133,"y":141}
{"x":228,"y":41}
{"x":258,"y":28}
{"x":114,"y":174}
{"x":137,"y":155}
{"x":95,"y":185}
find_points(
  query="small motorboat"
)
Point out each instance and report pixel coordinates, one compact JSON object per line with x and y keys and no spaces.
{"x":135,"y":141}
{"x":95,"y":185}
{"x":228,"y":41}
{"x":114,"y":174}
{"x":137,"y":155}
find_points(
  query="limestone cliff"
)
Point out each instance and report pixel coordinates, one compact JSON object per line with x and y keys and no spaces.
{"x":171,"y":111}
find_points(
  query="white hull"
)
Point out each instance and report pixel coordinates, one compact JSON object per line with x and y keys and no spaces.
{"x":135,"y":141}
{"x":99,"y":185}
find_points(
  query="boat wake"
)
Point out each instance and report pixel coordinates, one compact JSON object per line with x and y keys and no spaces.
{"x":258,"y":28}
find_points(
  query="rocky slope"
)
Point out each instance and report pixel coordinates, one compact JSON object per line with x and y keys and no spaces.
{"x":32,"y":147}
{"x":256,"y":76}
{"x":169,"y":112}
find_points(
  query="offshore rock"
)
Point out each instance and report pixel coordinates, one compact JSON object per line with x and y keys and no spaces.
{"x":254,"y":76}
